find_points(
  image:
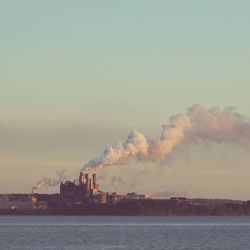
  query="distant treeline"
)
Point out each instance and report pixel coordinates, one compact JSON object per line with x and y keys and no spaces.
{"x":144,"y":207}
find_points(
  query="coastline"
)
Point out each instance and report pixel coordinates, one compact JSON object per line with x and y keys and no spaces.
{"x":141,"y":208}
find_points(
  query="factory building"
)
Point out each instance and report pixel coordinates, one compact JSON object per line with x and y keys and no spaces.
{"x":178,"y":200}
{"x":17,"y":201}
{"x":101,"y":198}
{"x":134,"y":196}
{"x":87,"y":191}
{"x":87,"y":186}
{"x":83,"y":192}
{"x":115,"y":198}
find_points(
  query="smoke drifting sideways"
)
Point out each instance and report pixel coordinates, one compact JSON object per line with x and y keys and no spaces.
{"x":196,"y":125}
{"x":47,"y":182}
{"x":166,"y":194}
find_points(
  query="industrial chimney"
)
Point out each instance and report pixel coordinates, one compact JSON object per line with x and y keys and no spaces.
{"x":94,"y":179}
{"x":81,"y":178}
{"x":32,"y":190}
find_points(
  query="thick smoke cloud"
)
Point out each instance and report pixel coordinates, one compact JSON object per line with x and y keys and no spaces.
{"x":136,"y":145}
{"x":198,"y":124}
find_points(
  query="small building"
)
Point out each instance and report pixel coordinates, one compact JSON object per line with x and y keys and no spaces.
{"x":134,"y":196}
{"x":115,"y":198}
{"x":178,"y":200}
{"x":102,"y":198}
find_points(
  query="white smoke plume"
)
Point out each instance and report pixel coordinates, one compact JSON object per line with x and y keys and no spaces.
{"x":198,"y":124}
{"x":45,"y":181}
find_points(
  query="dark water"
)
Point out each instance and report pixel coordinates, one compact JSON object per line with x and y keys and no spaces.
{"x":72,"y":233}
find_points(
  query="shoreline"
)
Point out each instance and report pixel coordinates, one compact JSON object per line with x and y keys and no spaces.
{"x":141,"y":208}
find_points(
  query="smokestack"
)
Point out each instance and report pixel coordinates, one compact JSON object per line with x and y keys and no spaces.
{"x":81,"y":178}
{"x":87,"y":183}
{"x":94,"y":179}
{"x":197,"y":125}
{"x":32,"y":190}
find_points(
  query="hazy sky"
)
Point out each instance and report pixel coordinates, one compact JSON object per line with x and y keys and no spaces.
{"x":76,"y":76}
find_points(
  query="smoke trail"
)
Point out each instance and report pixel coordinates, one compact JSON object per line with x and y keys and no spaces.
{"x":165,"y":194}
{"x":45,"y":181}
{"x":198,"y":124}
{"x":136,"y":145}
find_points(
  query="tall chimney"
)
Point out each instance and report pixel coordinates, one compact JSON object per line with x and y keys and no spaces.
{"x":32,"y":190}
{"x":81,"y":178}
{"x":94,"y":179}
{"x":87,"y":183}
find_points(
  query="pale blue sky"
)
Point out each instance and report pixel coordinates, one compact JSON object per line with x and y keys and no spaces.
{"x":78,"y":75}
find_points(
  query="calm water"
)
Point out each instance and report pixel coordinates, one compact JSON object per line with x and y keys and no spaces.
{"x":72,"y":233}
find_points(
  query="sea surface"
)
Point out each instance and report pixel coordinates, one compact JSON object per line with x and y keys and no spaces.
{"x":94,"y":232}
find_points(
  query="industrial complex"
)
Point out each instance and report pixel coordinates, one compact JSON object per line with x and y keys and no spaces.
{"x":84,"y":192}
{"x":87,"y":191}
{"x":85,"y":197}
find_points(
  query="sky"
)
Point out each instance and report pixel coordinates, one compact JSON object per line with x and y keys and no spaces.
{"x":76,"y":76}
